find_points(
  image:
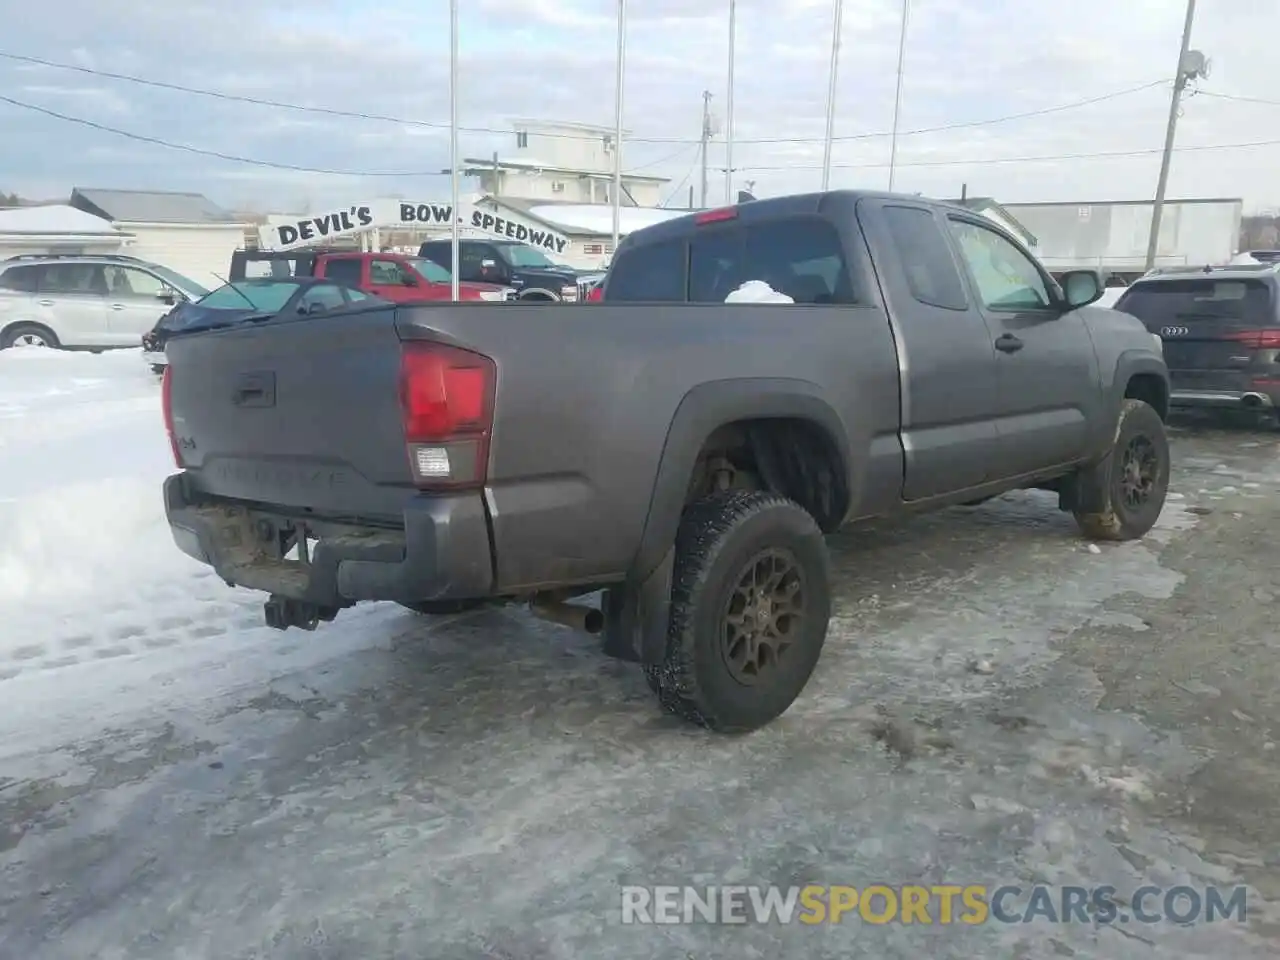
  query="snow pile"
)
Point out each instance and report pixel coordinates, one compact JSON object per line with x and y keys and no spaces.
{"x":84,"y":452}
{"x":757,"y":291}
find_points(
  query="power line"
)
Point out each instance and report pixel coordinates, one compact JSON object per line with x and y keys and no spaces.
{"x":436,"y":124}
{"x":661,"y":160}
{"x":1236,"y":99}
{"x":1102,"y":155}
{"x":680,"y":185}
{"x":217,"y":154}
{"x":254,"y":161}
{"x":200,"y":151}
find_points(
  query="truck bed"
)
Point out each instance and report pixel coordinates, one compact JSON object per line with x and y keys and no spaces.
{"x":586,"y":402}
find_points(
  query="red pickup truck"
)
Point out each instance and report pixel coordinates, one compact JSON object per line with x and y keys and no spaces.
{"x":391,"y":276}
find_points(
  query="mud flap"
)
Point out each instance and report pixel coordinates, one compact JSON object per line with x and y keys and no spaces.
{"x":636,"y":616}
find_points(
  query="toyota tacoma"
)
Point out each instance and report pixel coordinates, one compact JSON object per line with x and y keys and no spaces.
{"x":677,"y":455}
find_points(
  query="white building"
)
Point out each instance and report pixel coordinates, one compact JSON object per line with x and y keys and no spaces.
{"x":186,"y":232}
{"x":589,"y":227}
{"x":56,"y":228}
{"x":562,"y":161}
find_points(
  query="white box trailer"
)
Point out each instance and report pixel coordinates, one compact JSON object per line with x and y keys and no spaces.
{"x":1113,"y":236}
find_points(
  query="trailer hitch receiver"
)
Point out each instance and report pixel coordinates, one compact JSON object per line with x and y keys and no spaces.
{"x":285,"y":612}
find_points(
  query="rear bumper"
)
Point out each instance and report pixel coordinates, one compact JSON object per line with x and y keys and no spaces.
{"x":441,"y":553}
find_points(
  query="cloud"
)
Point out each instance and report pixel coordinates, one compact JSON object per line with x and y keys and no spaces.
{"x":966,"y":61}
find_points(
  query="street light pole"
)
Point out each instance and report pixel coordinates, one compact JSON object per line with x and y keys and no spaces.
{"x":1179,"y":85}
{"x":831,"y":96}
{"x":453,"y":147}
{"x":617,"y":122}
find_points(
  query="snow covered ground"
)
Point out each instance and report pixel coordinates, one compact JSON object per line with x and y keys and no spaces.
{"x":104,"y":618}
{"x":997,"y":703}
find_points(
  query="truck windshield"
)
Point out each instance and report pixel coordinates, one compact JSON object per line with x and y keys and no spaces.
{"x":519,"y":255}
{"x":254,"y":296}
{"x":430,"y":269}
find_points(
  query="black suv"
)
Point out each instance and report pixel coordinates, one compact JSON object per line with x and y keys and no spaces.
{"x":1221,"y":332}
{"x":512,"y":264}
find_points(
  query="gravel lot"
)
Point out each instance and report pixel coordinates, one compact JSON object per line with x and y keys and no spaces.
{"x":997,"y":703}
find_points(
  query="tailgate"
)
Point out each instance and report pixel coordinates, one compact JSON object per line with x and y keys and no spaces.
{"x":1211,"y":328}
{"x":300,"y":414}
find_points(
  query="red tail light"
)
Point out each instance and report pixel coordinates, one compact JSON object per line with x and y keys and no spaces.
{"x":1257,"y":339}
{"x":166,"y":404}
{"x":446,"y":400}
{"x":596,"y":294}
{"x":715,"y":216}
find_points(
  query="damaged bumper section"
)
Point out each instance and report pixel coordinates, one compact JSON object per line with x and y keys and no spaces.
{"x":313,"y":567}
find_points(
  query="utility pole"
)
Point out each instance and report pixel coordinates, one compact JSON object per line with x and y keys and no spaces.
{"x":897,"y":97}
{"x":831,"y":94}
{"x":728,"y":124}
{"x":1179,"y":85}
{"x":706,"y":138}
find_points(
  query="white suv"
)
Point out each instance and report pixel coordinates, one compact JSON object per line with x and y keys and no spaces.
{"x":85,"y":301}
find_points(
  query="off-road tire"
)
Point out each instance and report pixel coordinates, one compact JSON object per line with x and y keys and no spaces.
{"x":720,"y":539}
{"x":14,"y":333}
{"x":1103,"y":482}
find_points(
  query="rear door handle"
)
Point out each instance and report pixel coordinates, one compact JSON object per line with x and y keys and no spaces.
{"x":46,"y":303}
{"x":1008,"y":343}
{"x":117,"y":306}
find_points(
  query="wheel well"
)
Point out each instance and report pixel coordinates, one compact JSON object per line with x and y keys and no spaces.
{"x":794,"y":457}
{"x":1151,"y":390}
{"x":538,"y":295}
{"x":7,"y":328}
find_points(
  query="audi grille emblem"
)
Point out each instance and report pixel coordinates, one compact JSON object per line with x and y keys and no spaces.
{"x":1174,"y":331}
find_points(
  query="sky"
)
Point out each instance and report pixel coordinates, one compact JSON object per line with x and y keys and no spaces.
{"x":967,"y":61}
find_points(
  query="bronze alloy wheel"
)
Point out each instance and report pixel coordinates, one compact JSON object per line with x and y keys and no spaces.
{"x":1139,"y":472}
{"x":763,"y":616}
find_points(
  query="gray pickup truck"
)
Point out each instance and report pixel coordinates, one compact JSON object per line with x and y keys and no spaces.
{"x":679,"y":455}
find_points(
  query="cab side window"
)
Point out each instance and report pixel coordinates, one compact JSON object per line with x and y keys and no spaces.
{"x":387,"y":273}
{"x":925,"y":257}
{"x":1006,"y":278}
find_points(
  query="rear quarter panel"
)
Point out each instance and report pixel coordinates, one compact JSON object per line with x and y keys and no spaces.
{"x":587,"y":398}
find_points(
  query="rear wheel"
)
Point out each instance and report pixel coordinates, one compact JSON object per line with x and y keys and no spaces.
{"x":750,"y":605}
{"x":28,"y":335}
{"x":1130,"y":484}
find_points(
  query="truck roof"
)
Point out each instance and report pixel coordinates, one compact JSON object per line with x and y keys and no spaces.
{"x":772,"y":207}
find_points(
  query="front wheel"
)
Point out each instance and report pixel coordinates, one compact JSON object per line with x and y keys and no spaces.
{"x":1127,"y":489}
{"x":750,"y":604}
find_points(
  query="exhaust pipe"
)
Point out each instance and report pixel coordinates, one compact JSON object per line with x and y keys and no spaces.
{"x":1254,"y":401}
{"x":587,"y":619}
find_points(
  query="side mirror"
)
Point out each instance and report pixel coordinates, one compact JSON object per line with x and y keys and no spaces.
{"x":170,"y":297}
{"x":408,"y":279}
{"x":1081,"y":287}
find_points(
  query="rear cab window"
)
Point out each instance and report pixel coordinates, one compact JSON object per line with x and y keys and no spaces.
{"x":800,"y":256}
{"x":1202,"y":304}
